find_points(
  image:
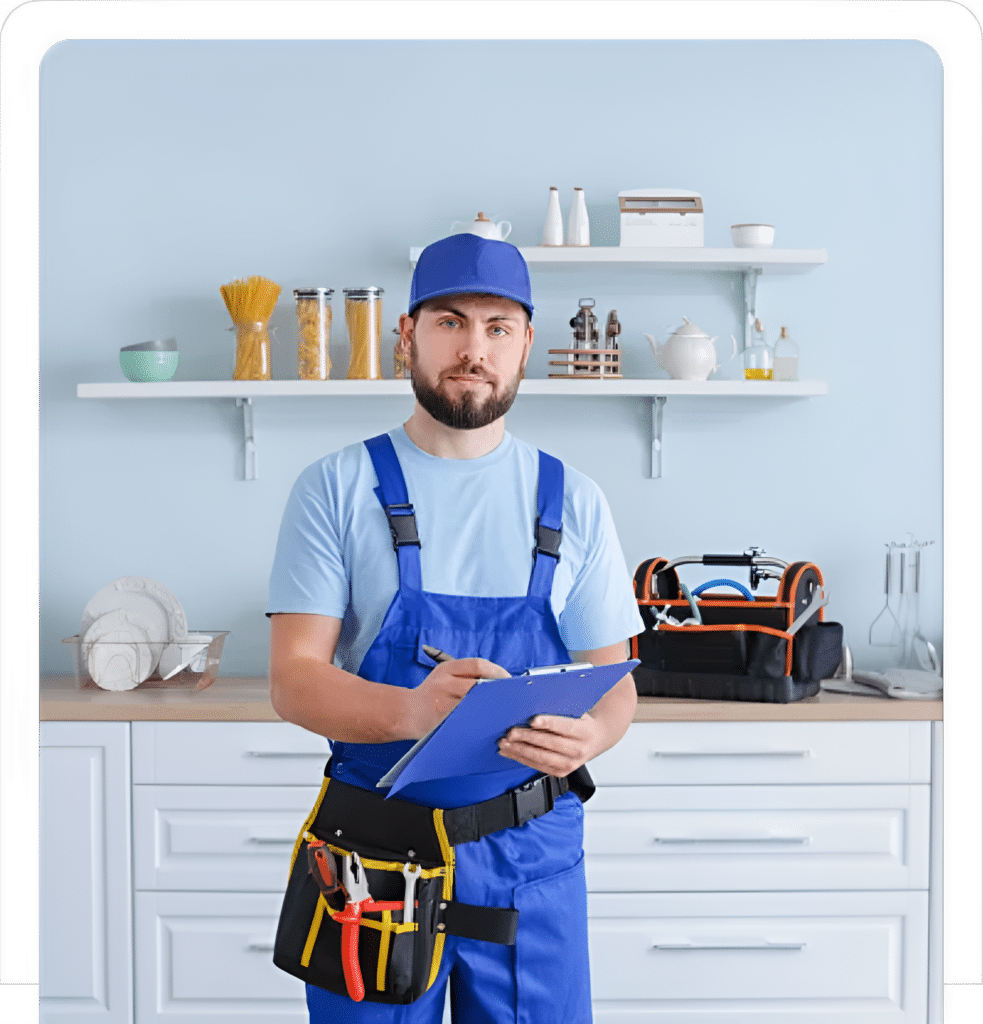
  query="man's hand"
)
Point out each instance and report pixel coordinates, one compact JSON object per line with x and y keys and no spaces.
{"x":554,"y":744}
{"x":437,"y":696}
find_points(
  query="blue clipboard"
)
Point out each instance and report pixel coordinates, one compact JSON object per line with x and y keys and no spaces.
{"x":466,"y":741}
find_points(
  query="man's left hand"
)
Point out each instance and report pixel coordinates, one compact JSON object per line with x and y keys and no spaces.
{"x":554,"y":744}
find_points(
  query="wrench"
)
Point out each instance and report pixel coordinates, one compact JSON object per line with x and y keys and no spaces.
{"x":411,"y":872}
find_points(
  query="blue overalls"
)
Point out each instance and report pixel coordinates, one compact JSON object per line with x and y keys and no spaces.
{"x":537,"y":868}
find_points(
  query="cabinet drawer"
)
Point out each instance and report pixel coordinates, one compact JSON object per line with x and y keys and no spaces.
{"x":206,"y":957}
{"x":226,"y":838}
{"x":228,"y":754}
{"x":850,"y":958}
{"x":747,"y":838}
{"x":735,"y":753}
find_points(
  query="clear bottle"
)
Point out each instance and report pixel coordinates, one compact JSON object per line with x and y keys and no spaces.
{"x":313,"y":332}
{"x":759,"y":360}
{"x":363,"y":314}
{"x":786,"y":357}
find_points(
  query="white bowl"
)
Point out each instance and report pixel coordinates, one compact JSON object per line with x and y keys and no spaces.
{"x":753,"y":236}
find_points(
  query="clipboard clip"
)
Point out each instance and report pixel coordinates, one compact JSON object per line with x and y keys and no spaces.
{"x":543,"y":670}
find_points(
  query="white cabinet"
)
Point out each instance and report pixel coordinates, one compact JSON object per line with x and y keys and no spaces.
{"x":217,"y":807}
{"x":85,"y":923}
{"x":779,"y":871}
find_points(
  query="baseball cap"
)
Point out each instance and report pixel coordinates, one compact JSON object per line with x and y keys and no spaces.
{"x":466,"y":263}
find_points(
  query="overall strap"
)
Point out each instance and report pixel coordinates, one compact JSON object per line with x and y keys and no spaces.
{"x":392,"y":495}
{"x":549,"y":526}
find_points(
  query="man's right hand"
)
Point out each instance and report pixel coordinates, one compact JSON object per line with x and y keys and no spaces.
{"x":437,"y":696}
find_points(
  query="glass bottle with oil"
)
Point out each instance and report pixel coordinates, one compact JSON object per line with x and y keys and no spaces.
{"x":759,"y":360}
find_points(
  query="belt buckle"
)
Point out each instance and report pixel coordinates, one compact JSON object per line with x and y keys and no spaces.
{"x":530,"y":800}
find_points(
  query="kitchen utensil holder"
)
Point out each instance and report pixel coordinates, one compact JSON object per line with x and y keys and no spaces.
{"x":589,"y":363}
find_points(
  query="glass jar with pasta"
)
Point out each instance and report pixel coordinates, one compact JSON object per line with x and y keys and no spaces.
{"x":363,"y":314}
{"x":313,"y":332}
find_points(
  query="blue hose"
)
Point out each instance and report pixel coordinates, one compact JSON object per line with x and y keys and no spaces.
{"x":723,"y":583}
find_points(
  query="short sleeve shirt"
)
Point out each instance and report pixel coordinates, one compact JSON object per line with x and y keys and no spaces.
{"x":476,"y":522}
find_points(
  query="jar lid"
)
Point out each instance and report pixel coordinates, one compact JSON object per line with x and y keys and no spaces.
{"x":312,"y":293}
{"x":362,"y":293}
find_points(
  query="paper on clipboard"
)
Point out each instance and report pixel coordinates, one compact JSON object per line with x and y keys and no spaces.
{"x":466,"y":741}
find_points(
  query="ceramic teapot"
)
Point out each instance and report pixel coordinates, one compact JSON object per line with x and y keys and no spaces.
{"x":481,"y":225}
{"x":689,"y":354}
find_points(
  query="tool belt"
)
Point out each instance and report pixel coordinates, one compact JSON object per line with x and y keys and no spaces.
{"x":388,"y":948}
{"x":745,"y":647}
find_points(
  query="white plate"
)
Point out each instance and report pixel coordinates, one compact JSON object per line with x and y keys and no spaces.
{"x":117,"y":652}
{"x":143,"y":597}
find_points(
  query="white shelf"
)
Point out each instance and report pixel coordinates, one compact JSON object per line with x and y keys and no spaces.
{"x":621,"y":388}
{"x":693,"y":258}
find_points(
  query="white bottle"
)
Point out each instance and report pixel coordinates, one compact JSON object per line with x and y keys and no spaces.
{"x":553,"y":230}
{"x":578,"y":226}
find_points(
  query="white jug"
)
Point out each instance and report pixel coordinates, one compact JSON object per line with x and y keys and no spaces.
{"x":481,"y":225}
{"x":689,"y":354}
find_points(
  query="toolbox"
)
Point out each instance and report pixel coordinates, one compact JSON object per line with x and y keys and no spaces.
{"x":720,"y":641}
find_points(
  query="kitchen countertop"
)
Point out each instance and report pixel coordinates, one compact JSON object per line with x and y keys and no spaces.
{"x":237,"y":699}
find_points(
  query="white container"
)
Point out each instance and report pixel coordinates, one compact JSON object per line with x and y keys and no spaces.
{"x":753,"y":236}
{"x":661,"y":218}
{"x":578,"y":226}
{"x":553,"y":229}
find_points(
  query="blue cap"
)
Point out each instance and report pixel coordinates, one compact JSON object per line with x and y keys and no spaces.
{"x":466,"y":263}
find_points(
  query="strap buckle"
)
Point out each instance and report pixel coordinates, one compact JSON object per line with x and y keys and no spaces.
{"x":532,"y":800}
{"x":402,"y":525}
{"x":548,"y":540}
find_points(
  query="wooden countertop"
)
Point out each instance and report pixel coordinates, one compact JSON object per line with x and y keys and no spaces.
{"x":236,"y":699}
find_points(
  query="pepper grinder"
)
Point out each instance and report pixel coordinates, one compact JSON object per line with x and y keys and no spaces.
{"x":611,"y":333}
{"x":585,"y":332}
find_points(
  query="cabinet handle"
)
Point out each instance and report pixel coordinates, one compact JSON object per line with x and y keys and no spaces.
{"x":260,"y":947}
{"x":286,"y":753}
{"x":260,"y":839}
{"x":694,"y":947}
{"x":731,"y":839}
{"x":730,"y":753}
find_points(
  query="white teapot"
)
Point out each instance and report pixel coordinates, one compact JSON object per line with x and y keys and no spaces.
{"x":689,"y":354}
{"x":481,"y":225}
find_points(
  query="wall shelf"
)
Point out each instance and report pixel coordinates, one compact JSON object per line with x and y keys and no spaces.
{"x":692,"y":258}
{"x":657,"y":390}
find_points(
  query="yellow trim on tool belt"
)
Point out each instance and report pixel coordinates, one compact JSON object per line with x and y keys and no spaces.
{"x":448,"y":851}
{"x":305,"y":960}
{"x":307,"y":824}
{"x":380,"y":973}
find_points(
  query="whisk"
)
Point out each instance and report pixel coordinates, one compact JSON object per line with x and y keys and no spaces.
{"x":888,"y":632}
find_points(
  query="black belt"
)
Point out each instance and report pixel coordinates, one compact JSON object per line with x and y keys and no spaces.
{"x":397,"y":825}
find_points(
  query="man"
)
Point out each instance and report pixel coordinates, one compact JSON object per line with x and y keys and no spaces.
{"x":504,"y":559}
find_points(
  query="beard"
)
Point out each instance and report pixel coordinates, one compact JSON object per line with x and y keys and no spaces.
{"x":468,"y":412}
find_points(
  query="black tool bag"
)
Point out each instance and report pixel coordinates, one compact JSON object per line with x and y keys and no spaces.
{"x":742,"y":650}
{"x":398,"y":959}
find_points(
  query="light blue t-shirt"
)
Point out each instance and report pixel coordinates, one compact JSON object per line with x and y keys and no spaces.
{"x":476,"y":521}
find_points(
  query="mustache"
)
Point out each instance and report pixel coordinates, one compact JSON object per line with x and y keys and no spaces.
{"x":465,"y":371}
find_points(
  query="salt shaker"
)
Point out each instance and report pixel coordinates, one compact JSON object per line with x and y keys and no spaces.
{"x":553,"y":230}
{"x":578,"y":226}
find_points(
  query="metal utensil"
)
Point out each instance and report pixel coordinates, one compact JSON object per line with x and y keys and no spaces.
{"x":922,"y":650}
{"x":888,"y":632}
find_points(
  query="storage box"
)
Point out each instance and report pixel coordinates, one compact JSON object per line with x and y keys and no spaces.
{"x":660,"y":217}
{"x":200,"y":674}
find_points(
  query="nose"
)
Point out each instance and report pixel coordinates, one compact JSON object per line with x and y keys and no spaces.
{"x":472,"y":343}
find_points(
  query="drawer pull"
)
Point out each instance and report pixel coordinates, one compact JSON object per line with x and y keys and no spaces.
{"x":286,"y":753}
{"x":278,"y":842}
{"x":731,"y":753}
{"x":260,"y":947}
{"x":731,"y":839}
{"x":694,"y":947}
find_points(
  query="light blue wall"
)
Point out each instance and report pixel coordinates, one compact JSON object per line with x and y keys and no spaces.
{"x":170,"y":168}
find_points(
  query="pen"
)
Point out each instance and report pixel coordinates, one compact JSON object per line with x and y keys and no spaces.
{"x":436,"y":654}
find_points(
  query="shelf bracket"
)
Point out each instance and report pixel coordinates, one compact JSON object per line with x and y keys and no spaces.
{"x":249,"y":470}
{"x":749,"y":278}
{"x":658,"y":402}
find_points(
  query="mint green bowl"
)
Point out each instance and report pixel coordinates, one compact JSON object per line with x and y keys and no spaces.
{"x":146,"y":367}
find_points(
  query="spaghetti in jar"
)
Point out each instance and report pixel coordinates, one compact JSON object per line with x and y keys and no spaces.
{"x":314,"y":332}
{"x":363,"y":314}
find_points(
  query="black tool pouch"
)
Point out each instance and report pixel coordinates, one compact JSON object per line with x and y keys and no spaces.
{"x":399,"y":960}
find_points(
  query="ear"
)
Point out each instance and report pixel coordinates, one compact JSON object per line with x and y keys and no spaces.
{"x":405,"y":334}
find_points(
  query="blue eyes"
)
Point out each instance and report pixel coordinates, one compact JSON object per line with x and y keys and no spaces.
{"x":457,"y":323}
